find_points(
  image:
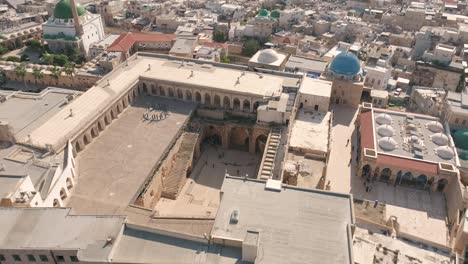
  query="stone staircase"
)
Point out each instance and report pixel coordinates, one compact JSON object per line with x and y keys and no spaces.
{"x":269,"y":155}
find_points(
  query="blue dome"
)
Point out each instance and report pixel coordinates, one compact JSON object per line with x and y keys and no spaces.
{"x":346,"y":63}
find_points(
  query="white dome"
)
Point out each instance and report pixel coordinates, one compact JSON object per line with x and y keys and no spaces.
{"x":445,"y":152}
{"x":385,"y":131}
{"x":439,"y":139}
{"x":435,"y":126}
{"x":268,"y":56}
{"x":383,"y":119}
{"x":387,"y":143}
{"x":414,"y":139}
{"x":412,"y":126}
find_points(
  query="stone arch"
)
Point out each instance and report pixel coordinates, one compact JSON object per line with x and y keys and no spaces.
{"x":256,"y":104}
{"x":153,"y":89}
{"x":385,"y":175}
{"x":188,"y":95}
{"x":100,"y":126}
{"x":226,"y":102}
{"x":124,"y":102}
{"x":212,"y":135}
{"x":197,"y":97}
{"x":366,"y":171}
{"x":69,"y":183}
{"x":236,"y":104}
{"x":162,"y":91}
{"x":77,"y":147}
{"x":94,"y":132}
{"x":260,"y":143}
{"x":170,"y":92}
{"x":107,"y":120}
{"x":207,"y":99}
{"x":420,"y":181}
{"x":113,"y":114}
{"x":441,"y":185}
{"x":56,"y":203}
{"x":86,"y":139}
{"x":407,"y":179}
{"x":63,"y":194}
{"x":246,"y":105}
{"x":145,"y":89}
{"x":239,"y":138}
{"x":180,"y":94}
{"x":217,"y":101}
{"x":129,"y":98}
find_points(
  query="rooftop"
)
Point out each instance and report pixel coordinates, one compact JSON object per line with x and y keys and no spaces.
{"x":316,"y":126}
{"x":39,"y":228}
{"x":304,"y":225}
{"x":316,"y":87}
{"x":126,"y":40}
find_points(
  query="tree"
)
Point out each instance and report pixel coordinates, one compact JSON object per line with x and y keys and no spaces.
{"x":56,"y":73}
{"x":37,"y":74}
{"x":3,"y":49}
{"x":225,"y":59}
{"x":219,"y":36}
{"x":34,"y":44}
{"x":20,"y":72}
{"x":24,"y":57}
{"x":3,"y":78}
{"x":251,"y":47}
{"x":69,"y":70}
{"x":13,"y":59}
{"x":60,"y":60}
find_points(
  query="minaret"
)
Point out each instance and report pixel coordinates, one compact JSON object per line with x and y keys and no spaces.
{"x":76,"y":19}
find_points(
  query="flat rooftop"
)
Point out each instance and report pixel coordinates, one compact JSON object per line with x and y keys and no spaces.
{"x":25,"y":112}
{"x":304,"y":225}
{"x":39,"y":228}
{"x":306,"y":64}
{"x":140,"y":246}
{"x":316,"y":87}
{"x":316,"y":126}
{"x":60,"y":127}
{"x":123,"y":156}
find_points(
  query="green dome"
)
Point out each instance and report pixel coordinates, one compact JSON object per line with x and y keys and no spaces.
{"x":275,"y":14}
{"x":264,"y":13}
{"x":461,"y":139}
{"x":463,"y":155}
{"x":63,"y":10}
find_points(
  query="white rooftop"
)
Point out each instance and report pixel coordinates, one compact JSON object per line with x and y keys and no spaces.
{"x":316,"y":87}
{"x":310,"y":131}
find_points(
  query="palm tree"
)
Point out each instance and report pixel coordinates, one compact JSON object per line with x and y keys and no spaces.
{"x":20,"y":72}
{"x":69,"y":70}
{"x":37,"y":74}
{"x":56,"y":73}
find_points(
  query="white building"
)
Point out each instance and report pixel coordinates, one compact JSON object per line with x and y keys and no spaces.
{"x":377,"y":77}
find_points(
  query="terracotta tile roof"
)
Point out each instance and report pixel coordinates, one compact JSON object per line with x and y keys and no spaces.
{"x":409,"y":164}
{"x":367,"y":130}
{"x":126,"y":40}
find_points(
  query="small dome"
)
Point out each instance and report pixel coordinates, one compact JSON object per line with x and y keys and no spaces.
{"x":414,"y":139}
{"x":412,"y":126}
{"x":63,"y":9}
{"x":461,"y":139}
{"x":263,"y":13}
{"x":345,"y":63}
{"x":387,"y":143}
{"x":445,"y":152}
{"x":268,"y":56}
{"x":275,"y":14}
{"x":435,"y":127}
{"x":383,"y":119}
{"x":439,"y":139}
{"x":385,"y":131}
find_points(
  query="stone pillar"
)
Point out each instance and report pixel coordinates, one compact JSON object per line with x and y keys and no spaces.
{"x":226,"y":135}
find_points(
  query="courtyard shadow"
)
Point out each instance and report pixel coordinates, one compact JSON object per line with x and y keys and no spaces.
{"x":343,"y":115}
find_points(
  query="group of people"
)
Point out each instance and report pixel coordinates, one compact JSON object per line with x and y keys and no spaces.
{"x":157,"y":116}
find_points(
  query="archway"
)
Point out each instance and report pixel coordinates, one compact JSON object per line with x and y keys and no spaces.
{"x":56,"y":203}
{"x":94,"y":132}
{"x":188,"y":95}
{"x":100,"y":126}
{"x":217,"y":101}
{"x":207,"y":99}
{"x":246,"y":105}
{"x":385,"y":175}
{"x":197,"y":97}
{"x":153,"y":89}
{"x":180,"y":95}
{"x":162,"y":91}
{"x":106,"y":120}
{"x":420,"y":181}
{"x":63,"y":194}
{"x":170,"y":92}
{"x":212,"y":139}
{"x":255,"y":106}
{"x":407,"y":179}
{"x":113,"y":116}
{"x":69,"y":183}
{"x":239,"y":138}
{"x":145,"y":89}
{"x":441,"y":184}
{"x":86,"y":139}
{"x":226,"y":102}
{"x":260,"y":143}
{"x":236,"y":104}
{"x":366,"y":171}
{"x":77,"y":147}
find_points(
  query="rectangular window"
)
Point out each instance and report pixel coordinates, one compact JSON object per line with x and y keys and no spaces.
{"x":74,"y":258}
{"x":16,"y":257}
{"x":60,"y":259}
{"x":43,"y":258}
{"x":31,"y":258}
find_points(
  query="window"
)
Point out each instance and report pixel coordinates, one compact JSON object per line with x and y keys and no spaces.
{"x":16,"y":257}
{"x":43,"y":258}
{"x":74,"y":258}
{"x":2,"y":257}
{"x":31,"y":258}
{"x":60,"y":259}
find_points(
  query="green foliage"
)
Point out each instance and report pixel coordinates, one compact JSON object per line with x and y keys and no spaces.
{"x":3,"y":49}
{"x":225,"y":59}
{"x":13,"y":59}
{"x":24,"y":57}
{"x":20,"y":71}
{"x":250,"y":47}
{"x":34,"y":44}
{"x":56,"y":72}
{"x":219,"y":36}
{"x":3,"y":78}
{"x":69,"y":68}
{"x":55,"y":59}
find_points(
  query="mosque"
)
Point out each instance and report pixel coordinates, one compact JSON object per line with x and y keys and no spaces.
{"x":71,"y":26}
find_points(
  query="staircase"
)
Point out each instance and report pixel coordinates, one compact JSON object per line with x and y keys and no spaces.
{"x":271,"y":148}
